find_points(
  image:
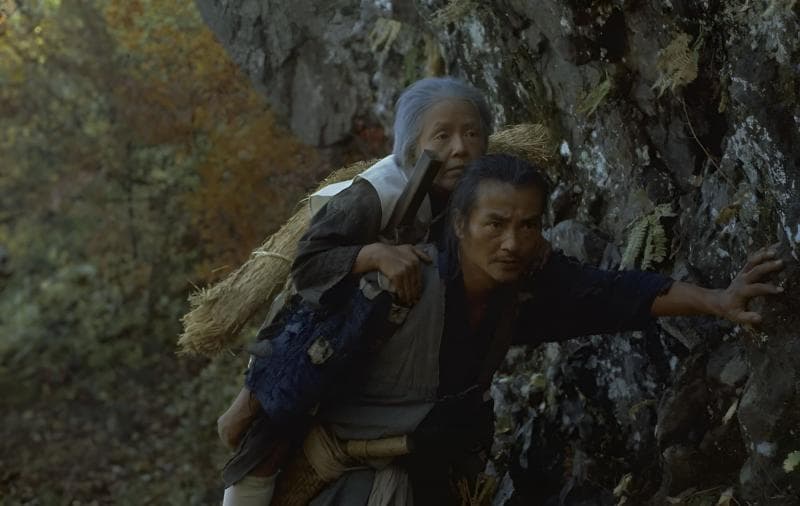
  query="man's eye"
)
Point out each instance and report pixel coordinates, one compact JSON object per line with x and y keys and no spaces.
{"x":440,"y":136}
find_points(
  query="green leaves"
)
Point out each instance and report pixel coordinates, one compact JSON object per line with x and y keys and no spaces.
{"x":647,"y":240}
{"x":677,"y":63}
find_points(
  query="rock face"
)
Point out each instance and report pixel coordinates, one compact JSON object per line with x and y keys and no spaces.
{"x":323,"y":66}
{"x":680,"y":118}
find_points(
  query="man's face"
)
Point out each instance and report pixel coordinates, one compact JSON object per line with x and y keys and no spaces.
{"x":502,"y":235}
{"x":452,"y":130}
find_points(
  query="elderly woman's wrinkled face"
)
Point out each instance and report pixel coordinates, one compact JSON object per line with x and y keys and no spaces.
{"x":452,"y":129}
{"x":502,"y":236}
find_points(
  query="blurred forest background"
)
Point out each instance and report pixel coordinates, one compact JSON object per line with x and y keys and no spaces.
{"x":136,"y":163}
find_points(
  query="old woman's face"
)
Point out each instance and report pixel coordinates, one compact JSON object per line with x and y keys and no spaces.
{"x":502,"y":235}
{"x":452,"y":130}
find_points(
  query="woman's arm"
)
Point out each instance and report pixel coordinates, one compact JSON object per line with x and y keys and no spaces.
{"x":400,"y":264}
{"x":683,"y":299}
{"x":343,"y":239}
{"x":327,"y":252}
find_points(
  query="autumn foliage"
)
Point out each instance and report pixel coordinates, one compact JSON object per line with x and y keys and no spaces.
{"x":195,"y":99}
{"x":136,"y":163}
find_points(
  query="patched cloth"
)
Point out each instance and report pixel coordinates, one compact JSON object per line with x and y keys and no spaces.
{"x":313,"y":351}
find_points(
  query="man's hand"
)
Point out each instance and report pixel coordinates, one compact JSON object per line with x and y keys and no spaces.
{"x":400,"y":265}
{"x":685,"y":299}
{"x":748,"y":284}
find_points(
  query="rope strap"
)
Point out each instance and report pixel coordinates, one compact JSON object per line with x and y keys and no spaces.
{"x":272,"y":254}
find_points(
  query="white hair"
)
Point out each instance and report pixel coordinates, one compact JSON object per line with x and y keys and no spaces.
{"x":418,"y":99}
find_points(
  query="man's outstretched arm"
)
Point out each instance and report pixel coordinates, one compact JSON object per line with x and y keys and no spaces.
{"x":685,"y":299}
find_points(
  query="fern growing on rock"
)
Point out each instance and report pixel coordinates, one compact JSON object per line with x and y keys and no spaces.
{"x":647,"y":240}
{"x":677,"y":63}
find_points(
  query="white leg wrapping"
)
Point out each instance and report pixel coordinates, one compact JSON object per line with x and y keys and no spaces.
{"x":250,"y":491}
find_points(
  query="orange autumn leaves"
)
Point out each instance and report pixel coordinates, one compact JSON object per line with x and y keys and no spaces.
{"x":180,"y":88}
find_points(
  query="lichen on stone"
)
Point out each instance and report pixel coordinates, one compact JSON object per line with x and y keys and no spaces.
{"x":770,"y":29}
{"x":383,"y":34}
{"x":791,"y":462}
{"x":593,"y":162}
{"x":454,"y":11}
{"x":594,"y":97}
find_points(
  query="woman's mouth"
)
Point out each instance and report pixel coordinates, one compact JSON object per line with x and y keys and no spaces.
{"x":509,"y":263}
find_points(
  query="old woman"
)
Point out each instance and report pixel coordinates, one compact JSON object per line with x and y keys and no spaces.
{"x":443,"y":115}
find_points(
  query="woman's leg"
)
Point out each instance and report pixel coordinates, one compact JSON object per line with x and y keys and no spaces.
{"x":250,"y":491}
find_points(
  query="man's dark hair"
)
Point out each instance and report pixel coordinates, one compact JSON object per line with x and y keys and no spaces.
{"x":499,"y":168}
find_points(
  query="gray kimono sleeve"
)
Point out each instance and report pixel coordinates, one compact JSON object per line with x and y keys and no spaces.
{"x":328,"y":250}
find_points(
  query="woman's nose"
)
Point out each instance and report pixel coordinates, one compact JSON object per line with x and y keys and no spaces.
{"x":457,"y":145}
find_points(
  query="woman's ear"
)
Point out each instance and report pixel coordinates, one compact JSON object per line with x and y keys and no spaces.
{"x":458,"y":224}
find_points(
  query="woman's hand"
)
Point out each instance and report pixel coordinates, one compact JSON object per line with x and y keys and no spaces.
{"x":748,"y":284}
{"x":400,"y":265}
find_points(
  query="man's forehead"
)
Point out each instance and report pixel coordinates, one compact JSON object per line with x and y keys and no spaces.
{"x":504,"y":199}
{"x":530,"y":211}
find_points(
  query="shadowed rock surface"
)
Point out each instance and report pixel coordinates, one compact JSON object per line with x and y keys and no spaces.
{"x":688,"y":105}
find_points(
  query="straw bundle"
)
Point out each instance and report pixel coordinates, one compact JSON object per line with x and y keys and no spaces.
{"x":529,"y":141}
{"x":219,"y":313}
{"x":298,"y":483}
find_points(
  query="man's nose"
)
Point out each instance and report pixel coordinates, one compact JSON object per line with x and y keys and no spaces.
{"x":510,"y":240}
